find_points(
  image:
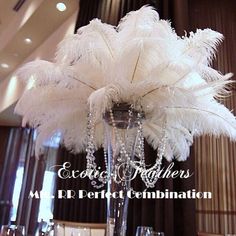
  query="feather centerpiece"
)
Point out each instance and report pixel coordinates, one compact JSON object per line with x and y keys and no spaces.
{"x":141,"y":61}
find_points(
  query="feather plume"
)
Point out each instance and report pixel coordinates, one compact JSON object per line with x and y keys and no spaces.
{"x":142,"y":61}
{"x":138,"y":23}
{"x":202,"y":45}
{"x":42,"y":72}
{"x":93,"y":44}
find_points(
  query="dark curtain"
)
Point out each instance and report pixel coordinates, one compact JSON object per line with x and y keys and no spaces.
{"x":215,"y":158}
{"x":111,"y":11}
{"x":86,"y":210}
{"x":11,"y":140}
{"x":91,"y":12}
{"x":174,"y":217}
{"x":17,"y":149}
{"x":28,"y":209}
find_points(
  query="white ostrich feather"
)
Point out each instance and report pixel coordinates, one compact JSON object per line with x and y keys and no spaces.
{"x":201,"y":46}
{"x":142,"y":62}
{"x":94,"y":44}
{"x":42,"y":72}
{"x":138,"y":23}
{"x":164,"y":31}
{"x":102,"y":99}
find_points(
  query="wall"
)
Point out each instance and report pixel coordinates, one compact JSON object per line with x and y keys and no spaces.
{"x":11,"y":88}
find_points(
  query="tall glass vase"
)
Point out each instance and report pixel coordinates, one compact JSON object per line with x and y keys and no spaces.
{"x":121,"y":132}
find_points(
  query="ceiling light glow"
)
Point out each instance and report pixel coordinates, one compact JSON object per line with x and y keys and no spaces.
{"x":61,"y":6}
{"x":4,"y":65}
{"x":28,"y":40}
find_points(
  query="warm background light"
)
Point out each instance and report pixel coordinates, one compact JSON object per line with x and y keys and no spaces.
{"x":4,"y":65}
{"x":28,"y":40}
{"x":61,"y":6}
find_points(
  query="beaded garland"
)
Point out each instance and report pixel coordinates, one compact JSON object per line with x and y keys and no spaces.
{"x":124,"y":156}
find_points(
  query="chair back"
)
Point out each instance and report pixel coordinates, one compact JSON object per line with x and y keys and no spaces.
{"x":97,"y":229}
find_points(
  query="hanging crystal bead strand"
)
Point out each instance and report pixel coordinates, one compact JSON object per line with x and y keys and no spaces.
{"x":151,"y":180}
{"x":128,"y":160}
{"x":90,"y":144}
{"x":140,"y":146}
{"x":148,"y":175}
{"x":91,"y":165}
{"x":105,"y":157}
{"x":123,"y":152}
